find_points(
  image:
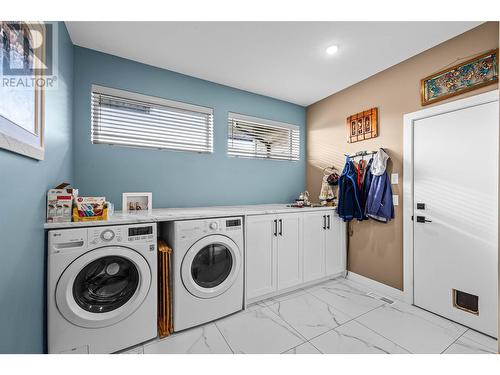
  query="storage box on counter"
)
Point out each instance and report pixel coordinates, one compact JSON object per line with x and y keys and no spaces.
{"x":59,"y":203}
{"x":90,"y":209}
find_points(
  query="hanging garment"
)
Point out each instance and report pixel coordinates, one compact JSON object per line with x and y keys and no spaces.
{"x":360,"y":173}
{"x":379,"y":162}
{"x":326,"y":190}
{"x":348,"y":206}
{"x":379,"y":205}
{"x":365,"y":188}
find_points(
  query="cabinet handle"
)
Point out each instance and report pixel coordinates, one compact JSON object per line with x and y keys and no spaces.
{"x":281,"y":227}
{"x":324,"y":221}
{"x":328,"y":216}
{"x":275,"y":228}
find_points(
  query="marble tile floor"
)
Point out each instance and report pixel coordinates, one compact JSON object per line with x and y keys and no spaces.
{"x":335,"y":317}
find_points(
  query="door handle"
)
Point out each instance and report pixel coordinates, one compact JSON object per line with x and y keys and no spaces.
{"x":324,"y":221}
{"x":422,"y":219}
{"x":275,"y":228}
{"x":281,"y":227}
{"x":328,"y":216}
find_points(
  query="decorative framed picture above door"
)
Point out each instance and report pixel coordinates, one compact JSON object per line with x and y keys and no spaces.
{"x":362,"y":125}
{"x":469,"y":75}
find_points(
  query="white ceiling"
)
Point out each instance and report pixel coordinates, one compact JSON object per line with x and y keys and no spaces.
{"x":284,"y":60}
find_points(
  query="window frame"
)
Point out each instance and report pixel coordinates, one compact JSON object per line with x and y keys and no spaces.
{"x":152,"y":100}
{"x":231,"y":116}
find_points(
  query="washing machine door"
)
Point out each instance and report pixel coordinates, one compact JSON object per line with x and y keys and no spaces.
{"x":103,"y":286}
{"x":211,"y":266}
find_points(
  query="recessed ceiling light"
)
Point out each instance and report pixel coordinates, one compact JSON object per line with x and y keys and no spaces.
{"x":332,"y":50}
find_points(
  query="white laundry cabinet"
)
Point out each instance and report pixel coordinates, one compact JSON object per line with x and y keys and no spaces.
{"x":287,"y":251}
{"x":322,"y":245}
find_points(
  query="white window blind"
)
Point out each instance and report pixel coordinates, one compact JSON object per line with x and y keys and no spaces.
{"x":124,"y":118}
{"x":263,"y":139}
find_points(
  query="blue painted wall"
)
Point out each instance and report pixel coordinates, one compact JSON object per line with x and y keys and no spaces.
{"x":179,"y":179}
{"x":23,"y":186}
{"x":175,"y":178}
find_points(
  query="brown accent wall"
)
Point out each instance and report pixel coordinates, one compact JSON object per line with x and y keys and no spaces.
{"x":375,"y":249}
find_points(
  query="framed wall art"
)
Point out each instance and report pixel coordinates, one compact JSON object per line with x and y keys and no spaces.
{"x":22,"y":56}
{"x":362,"y":125}
{"x":469,"y":75}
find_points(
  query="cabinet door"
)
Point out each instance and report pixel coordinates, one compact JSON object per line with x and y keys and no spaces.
{"x":333,"y":245}
{"x":260,"y":255}
{"x":314,"y":246}
{"x":289,"y":250}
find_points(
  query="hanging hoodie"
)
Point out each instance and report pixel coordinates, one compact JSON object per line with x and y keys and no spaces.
{"x":379,"y":163}
{"x":349,"y":205}
{"x":379,"y":204}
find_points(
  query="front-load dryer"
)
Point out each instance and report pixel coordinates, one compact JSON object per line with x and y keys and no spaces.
{"x":102,"y":288}
{"x":207,"y":269}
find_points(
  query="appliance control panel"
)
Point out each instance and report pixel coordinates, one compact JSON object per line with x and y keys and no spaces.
{"x":189,"y":229}
{"x":67,"y":240}
{"x":105,"y":235}
{"x":122,"y":234}
{"x":140,"y":233}
{"x":233,"y":223}
{"x":224,"y":224}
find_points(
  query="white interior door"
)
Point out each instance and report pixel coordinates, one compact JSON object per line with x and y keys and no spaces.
{"x":455,"y":248}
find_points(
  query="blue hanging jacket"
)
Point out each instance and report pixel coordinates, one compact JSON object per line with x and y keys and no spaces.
{"x":349,"y":206}
{"x":379,"y":205}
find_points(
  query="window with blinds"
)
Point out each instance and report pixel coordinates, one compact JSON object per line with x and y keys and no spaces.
{"x":252,"y":137}
{"x":124,"y":118}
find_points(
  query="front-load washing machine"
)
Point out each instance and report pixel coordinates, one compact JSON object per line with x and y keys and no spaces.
{"x":207,"y":269}
{"x":101,"y":288}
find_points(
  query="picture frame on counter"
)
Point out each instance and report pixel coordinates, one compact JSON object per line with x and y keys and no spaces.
{"x":136,"y":203}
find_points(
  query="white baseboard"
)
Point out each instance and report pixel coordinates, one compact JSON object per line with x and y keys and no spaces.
{"x":376,"y":286}
{"x":307,"y":284}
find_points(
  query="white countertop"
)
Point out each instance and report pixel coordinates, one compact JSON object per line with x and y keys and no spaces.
{"x":170,"y":214}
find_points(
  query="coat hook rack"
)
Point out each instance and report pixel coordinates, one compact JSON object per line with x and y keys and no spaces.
{"x":364,"y":153}
{"x":361,"y":154}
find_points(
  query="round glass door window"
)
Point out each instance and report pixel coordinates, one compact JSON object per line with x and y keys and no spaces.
{"x":211,"y":265}
{"x":105,"y":284}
